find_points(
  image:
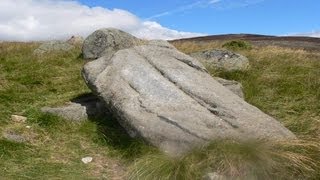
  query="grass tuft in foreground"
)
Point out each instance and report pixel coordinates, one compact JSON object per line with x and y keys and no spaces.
{"x":235,"y":160}
{"x":237,"y":45}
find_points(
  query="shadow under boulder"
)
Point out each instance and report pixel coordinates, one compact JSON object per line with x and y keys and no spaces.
{"x":79,"y":109}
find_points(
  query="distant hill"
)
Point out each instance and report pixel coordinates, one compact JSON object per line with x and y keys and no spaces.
{"x":301,"y":42}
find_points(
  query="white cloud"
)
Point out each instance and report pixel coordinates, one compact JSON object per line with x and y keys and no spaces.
{"x":26,"y":20}
{"x":185,"y":7}
{"x":315,"y":34}
{"x":180,"y":9}
{"x":216,"y":4}
{"x":310,"y":34}
{"x":154,"y":30}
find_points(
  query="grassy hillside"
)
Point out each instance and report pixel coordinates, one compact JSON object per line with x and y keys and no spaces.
{"x":55,"y":147}
{"x":295,"y":42}
{"x":282,"y":82}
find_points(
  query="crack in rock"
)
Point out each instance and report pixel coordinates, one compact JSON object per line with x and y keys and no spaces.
{"x":172,"y":122}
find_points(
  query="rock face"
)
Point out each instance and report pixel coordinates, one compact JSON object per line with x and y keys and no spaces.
{"x":104,"y":42}
{"x":222,"y":59}
{"x":53,"y":46}
{"x":233,"y":86}
{"x":168,"y":99}
{"x":76,"y":41}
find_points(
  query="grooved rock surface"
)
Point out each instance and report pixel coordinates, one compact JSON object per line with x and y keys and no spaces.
{"x":104,"y":42}
{"x":222,"y":59}
{"x":168,"y":99}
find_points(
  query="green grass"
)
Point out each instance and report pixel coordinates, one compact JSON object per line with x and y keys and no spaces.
{"x":55,"y":146}
{"x":285,"y":84}
{"x":282,"y":82}
{"x":237,"y":45}
{"x":235,"y":160}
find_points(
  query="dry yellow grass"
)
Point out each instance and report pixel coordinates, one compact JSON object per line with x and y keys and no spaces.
{"x":190,"y":47}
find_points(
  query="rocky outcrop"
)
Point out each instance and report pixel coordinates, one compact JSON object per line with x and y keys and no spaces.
{"x":222,"y":59}
{"x":168,"y":99}
{"x":104,"y":42}
{"x":52,"y":46}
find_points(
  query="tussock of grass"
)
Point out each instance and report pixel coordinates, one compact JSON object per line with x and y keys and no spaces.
{"x":235,"y":160}
{"x":237,"y":45}
{"x":190,"y":47}
{"x":160,"y":166}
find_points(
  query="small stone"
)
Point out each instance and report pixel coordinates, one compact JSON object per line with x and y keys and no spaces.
{"x":79,"y":109}
{"x":214,"y":176}
{"x":86,"y":160}
{"x":28,"y":127}
{"x":12,"y":136}
{"x":18,"y":119}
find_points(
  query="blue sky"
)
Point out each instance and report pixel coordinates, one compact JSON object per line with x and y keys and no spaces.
{"x":30,"y":20}
{"x":277,"y":17}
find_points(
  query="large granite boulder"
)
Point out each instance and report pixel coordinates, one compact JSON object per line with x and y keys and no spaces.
{"x":83,"y":108}
{"x":168,"y":99}
{"x":222,"y":59}
{"x":53,"y":46}
{"x":104,"y":42}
